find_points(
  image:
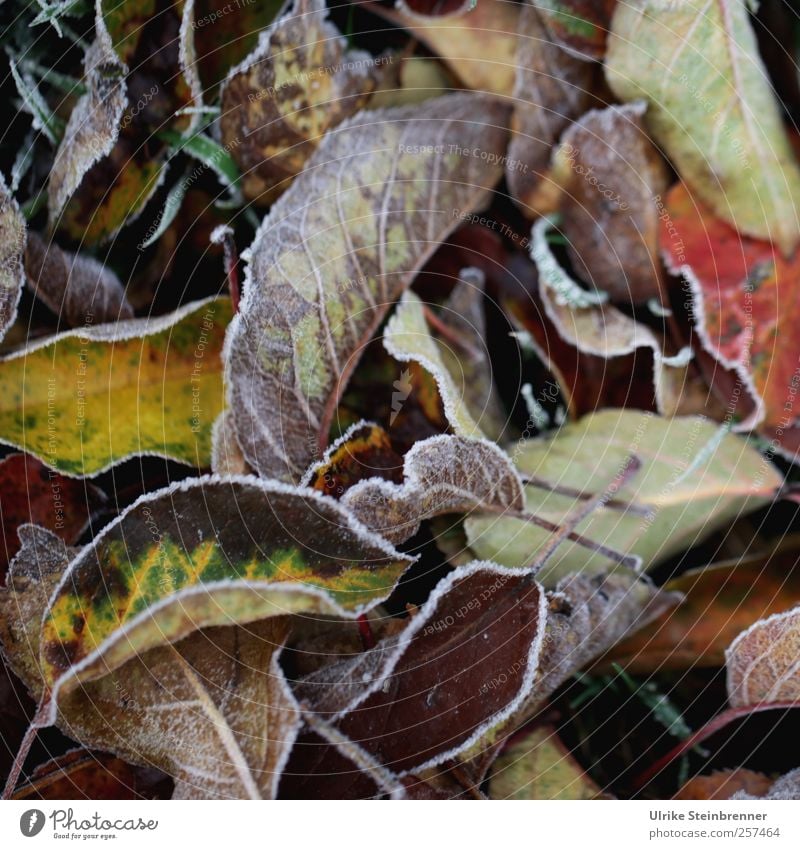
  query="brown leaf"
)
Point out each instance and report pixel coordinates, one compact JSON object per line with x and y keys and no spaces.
{"x":464,"y":662}
{"x":612,"y":174}
{"x":786,"y":787}
{"x":32,"y":493}
{"x":12,"y":250}
{"x":579,"y":26}
{"x":719,"y":602}
{"x":82,"y":774}
{"x":78,"y":289}
{"x":551,"y":90}
{"x":762,"y":662}
{"x":321,"y":277}
{"x":723,"y":783}
{"x":298,"y":83}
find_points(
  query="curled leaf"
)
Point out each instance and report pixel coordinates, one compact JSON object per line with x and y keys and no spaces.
{"x":317,"y":285}
{"x":12,"y":251}
{"x":105,"y":393}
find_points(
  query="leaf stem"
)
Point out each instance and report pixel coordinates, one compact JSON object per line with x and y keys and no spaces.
{"x":24,"y":749}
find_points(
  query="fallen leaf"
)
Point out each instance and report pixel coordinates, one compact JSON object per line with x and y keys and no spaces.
{"x":539,"y":766}
{"x":612,"y":174}
{"x":298,"y":83}
{"x":409,"y":80}
{"x":81,"y":774}
{"x":477,"y":41}
{"x":723,"y":783}
{"x":86,"y":399}
{"x":583,"y":318}
{"x":180,"y":559}
{"x":744,"y":307}
{"x":463,"y":663}
{"x":32,"y":493}
{"x":408,"y":339}
{"x":12,"y":251}
{"x":317,"y":286}
{"x":762,"y":662}
{"x":786,"y":787}
{"x":443,"y":474}
{"x":719,"y":602}
{"x":698,"y":67}
{"x":579,"y":26}
{"x":695,"y":478}
{"x":79,"y":289}
{"x":551,"y":89}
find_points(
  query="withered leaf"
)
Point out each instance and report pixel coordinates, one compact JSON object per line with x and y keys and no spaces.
{"x":322,"y":276}
{"x":464,"y":662}
{"x":181,"y":559}
{"x":77,"y":288}
{"x":612,"y":174}
{"x":32,"y":493}
{"x":551,"y":90}
{"x":443,"y":474}
{"x":579,"y":26}
{"x":298,"y":83}
{"x":12,"y":251}
{"x":762,"y":662}
{"x":697,"y":65}
{"x":786,"y":787}
{"x":723,"y":783}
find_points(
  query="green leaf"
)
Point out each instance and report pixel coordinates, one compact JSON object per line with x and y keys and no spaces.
{"x":711,"y":108}
{"x":691,"y":482}
{"x":86,"y":399}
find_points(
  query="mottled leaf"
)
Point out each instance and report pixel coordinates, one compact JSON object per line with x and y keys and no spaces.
{"x":711,"y":107}
{"x":32,"y":493}
{"x":182,"y":559}
{"x":79,"y":289}
{"x":719,"y":602}
{"x":298,"y":83}
{"x":477,"y":41}
{"x":745,"y":307}
{"x":443,"y":474}
{"x":539,"y":766}
{"x":12,"y":251}
{"x":86,"y":399}
{"x":763,"y":662}
{"x":321,"y":277}
{"x":551,"y":89}
{"x":695,"y":478}
{"x":612,"y":175}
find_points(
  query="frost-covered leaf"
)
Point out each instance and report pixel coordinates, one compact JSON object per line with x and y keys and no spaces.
{"x":408,"y":338}
{"x":214,"y":712}
{"x":298,"y":83}
{"x":746,"y":304}
{"x":466,"y":660}
{"x":763,"y":662}
{"x":226,"y":456}
{"x":584,"y":319}
{"x":205,"y":552}
{"x":579,"y":26}
{"x":786,"y":787}
{"x":477,"y":41}
{"x":539,"y":766}
{"x":711,"y":107}
{"x":32,"y":493}
{"x":551,"y":89}
{"x":723,"y":783}
{"x":321,"y":276}
{"x":79,"y":289}
{"x":695,"y":478}
{"x":88,"y":398}
{"x":12,"y":251}
{"x":443,"y":474}
{"x":612,"y":175}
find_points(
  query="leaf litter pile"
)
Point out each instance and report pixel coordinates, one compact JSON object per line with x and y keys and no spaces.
{"x":400,"y":400}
